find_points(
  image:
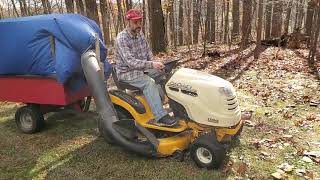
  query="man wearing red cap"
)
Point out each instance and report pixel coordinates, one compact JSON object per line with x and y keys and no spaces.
{"x":133,"y":57}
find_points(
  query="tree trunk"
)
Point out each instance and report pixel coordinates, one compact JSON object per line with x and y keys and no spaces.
{"x":315,"y":36}
{"x":277,"y":20}
{"x":259,"y":30}
{"x":24,"y":8}
{"x":158,"y":42}
{"x":299,"y":15}
{"x":309,"y":19}
{"x":196,"y":20}
{"x":58,"y":4}
{"x":171,"y":24}
{"x":120,"y":16}
{"x":69,"y":6}
{"x":112,"y":17}
{"x":144,"y":17}
{"x":128,"y":5}
{"x":1,"y":12}
{"x":226,"y":24}
{"x":92,"y":10}
{"x":288,"y":16}
{"x":22,"y":11}
{"x":246,"y":23}
{"x":15,"y":8}
{"x":80,"y":7}
{"x":45,"y":6}
{"x":180,"y":23}
{"x":206,"y":29}
{"x":235,"y":19}
{"x":49,"y":6}
{"x":188,"y":26}
{"x":268,"y":19}
{"x":222,"y":21}
{"x":212,"y":30}
{"x":105,"y":22}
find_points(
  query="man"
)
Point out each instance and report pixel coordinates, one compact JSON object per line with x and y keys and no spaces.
{"x":133,"y":57}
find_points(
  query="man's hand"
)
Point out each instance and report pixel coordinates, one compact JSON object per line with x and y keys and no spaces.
{"x":157,"y":65}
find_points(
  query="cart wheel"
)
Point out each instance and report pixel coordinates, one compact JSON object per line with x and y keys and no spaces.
{"x":29,"y":119}
{"x":207,"y":152}
{"x":85,"y":104}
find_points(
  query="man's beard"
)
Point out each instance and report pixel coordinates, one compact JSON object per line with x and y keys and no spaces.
{"x":137,"y":30}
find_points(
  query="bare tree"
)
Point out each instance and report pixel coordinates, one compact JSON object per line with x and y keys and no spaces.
{"x":120,"y":23}
{"x":69,"y":6}
{"x":188,"y":39}
{"x":310,"y":15}
{"x":196,"y":20}
{"x":235,"y":19}
{"x":23,"y":8}
{"x":158,"y":42}
{"x":171,"y":24}
{"x":80,"y":7}
{"x":246,"y":23}
{"x":259,"y":30}
{"x":1,"y":12}
{"x":128,"y":4}
{"x":58,"y":4}
{"x":226,"y":24}
{"x":211,"y":24}
{"x":277,"y":19}
{"x":15,"y":8}
{"x":92,"y":10}
{"x":144,"y":16}
{"x":315,"y":36}
{"x":105,"y":21}
{"x":46,"y":6}
{"x":288,"y":17}
{"x":268,"y":19}
{"x":299,"y":14}
{"x":180,"y":23}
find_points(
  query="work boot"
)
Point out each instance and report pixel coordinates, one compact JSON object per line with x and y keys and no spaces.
{"x":167,"y":121}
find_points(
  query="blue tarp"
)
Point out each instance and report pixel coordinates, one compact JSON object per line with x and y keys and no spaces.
{"x":26,"y":45}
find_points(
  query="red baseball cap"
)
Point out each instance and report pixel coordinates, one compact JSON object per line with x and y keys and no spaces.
{"x":133,"y":14}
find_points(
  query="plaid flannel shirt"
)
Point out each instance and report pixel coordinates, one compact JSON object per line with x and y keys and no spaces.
{"x":133,"y":55}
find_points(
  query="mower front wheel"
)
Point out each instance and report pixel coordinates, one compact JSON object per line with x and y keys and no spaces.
{"x":207,"y":152}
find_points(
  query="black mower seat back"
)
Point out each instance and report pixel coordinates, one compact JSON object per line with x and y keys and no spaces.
{"x":122,"y":85}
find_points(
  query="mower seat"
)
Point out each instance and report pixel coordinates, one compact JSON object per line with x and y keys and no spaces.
{"x":122,"y":85}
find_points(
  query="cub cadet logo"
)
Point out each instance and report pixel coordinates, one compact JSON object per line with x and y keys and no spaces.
{"x":213,"y":120}
{"x":181,"y":86}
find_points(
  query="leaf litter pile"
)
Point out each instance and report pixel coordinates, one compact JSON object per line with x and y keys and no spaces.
{"x":280,"y":100}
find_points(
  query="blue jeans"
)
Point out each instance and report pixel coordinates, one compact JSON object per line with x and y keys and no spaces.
{"x":151,"y":92}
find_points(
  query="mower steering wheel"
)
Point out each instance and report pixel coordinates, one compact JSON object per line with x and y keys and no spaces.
{"x":169,"y":65}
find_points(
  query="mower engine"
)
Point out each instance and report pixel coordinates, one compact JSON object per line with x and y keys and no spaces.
{"x":203,"y":98}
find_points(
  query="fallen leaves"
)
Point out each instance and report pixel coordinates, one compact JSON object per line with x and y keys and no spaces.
{"x":285,"y":171}
{"x":307,"y":122}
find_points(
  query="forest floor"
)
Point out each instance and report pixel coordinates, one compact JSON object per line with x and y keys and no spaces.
{"x":279,"y":96}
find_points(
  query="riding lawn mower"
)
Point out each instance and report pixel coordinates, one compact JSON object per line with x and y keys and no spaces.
{"x":205,"y":106}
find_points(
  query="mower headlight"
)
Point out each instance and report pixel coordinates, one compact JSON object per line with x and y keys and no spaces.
{"x":226,"y":91}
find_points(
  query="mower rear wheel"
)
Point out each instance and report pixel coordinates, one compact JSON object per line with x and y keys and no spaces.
{"x":207,"y":152}
{"x":29,"y":119}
